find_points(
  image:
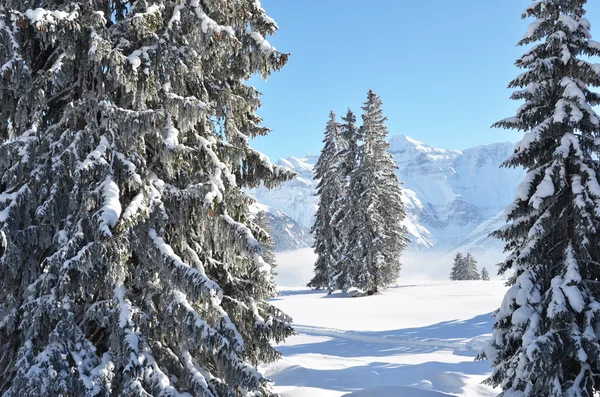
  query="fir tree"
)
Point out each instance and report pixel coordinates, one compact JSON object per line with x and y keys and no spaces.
{"x":129,"y":266}
{"x":457,"y":267}
{"x":545,"y":340}
{"x":378,"y":236}
{"x":485,"y":275}
{"x":464,"y":268}
{"x":471,"y":272}
{"x":329,"y":190}
{"x":349,"y":134}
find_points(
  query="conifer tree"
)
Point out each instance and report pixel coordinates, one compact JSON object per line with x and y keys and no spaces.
{"x":464,"y":268}
{"x":129,"y":266}
{"x":471,"y":272}
{"x":485,"y":275}
{"x":545,"y":340}
{"x":329,"y":189}
{"x":349,"y":134}
{"x":457,"y":267}
{"x":378,"y":237}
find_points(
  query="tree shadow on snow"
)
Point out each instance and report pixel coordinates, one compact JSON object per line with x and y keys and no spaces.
{"x":295,"y":292}
{"x":447,"y":335}
{"x":443,"y":377}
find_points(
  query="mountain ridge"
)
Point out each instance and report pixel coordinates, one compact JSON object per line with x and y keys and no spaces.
{"x":448,"y":194}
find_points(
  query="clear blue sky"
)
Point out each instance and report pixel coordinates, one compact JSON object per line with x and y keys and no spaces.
{"x":441,"y":68}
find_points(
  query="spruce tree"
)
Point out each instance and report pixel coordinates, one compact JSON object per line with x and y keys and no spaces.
{"x":485,"y":275}
{"x":349,"y":134}
{"x":457,"y":267}
{"x":470,"y":269}
{"x":545,"y":340}
{"x":128,"y":264}
{"x":378,"y":236}
{"x":329,"y":189}
{"x":464,"y":268}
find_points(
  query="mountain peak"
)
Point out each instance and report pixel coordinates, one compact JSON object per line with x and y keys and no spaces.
{"x":402,"y":143}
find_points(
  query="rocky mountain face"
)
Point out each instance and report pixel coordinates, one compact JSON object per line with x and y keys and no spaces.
{"x":453,"y":198}
{"x":289,"y":235}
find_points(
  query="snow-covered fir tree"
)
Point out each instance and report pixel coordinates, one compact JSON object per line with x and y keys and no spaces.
{"x":545,"y":340}
{"x":470,"y":266}
{"x":330,"y":189}
{"x":464,"y":268}
{"x":377,"y":236}
{"x":349,"y":134}
{"x":485,"y":275}
{"x":457,"y":267}
{"x":130,"y":265}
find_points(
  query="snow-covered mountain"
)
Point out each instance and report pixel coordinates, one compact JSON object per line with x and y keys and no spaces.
{"x":453,"y":198}
{"x":288,"y":234}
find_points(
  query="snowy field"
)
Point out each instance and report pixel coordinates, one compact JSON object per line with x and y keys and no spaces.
{"x":418,"y":339}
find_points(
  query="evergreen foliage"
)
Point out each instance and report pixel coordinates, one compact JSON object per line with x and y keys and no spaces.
{"x":376,"y":236}
{"x":464,"y":268}
{"x":457,"y":267}
{"x":471,"y":268}
{"x":349,"y":159}
{"x":349,"y":151}
{"x":545,"y":340}
{"x":266,"y":241}
{"x":330,"y":189}
{"x":129,"y":262}
{"x":485,"y":275}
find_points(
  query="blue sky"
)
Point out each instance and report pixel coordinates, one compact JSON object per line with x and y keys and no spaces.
{"x":441,"y":68}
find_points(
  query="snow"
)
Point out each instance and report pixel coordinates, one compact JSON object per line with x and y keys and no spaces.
{"x":131,"y":168}
{"x":134,"y":59}
{"x":569,"y":22}
{"x":210,"y":287}
{"x":40,"y":15}
{"x":171,"y":134}
{"x":544,"y":189}
{"x":125,"y":308}
{"x":97,"y":155}
{"x":262,"y":44}
{"x":395,"y":391}
{"x":57,"y":64}
{"x":139,"y":55}
{"x":176,"y":18}
{"x":561,"y":115}
{"x":111,"y":209}
{"x":12,"y":199}
{"x":417,"y":339}
{"x":533,"y":28}
{"x":251,"y":241}
{"x":208,"y":25}
{"x":136,"y":204}
{"x":567,"y":142}
{"x":215,"y":183}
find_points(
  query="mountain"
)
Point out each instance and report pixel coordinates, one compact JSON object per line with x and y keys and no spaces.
{"x":453,"y":198}
{"x":288,"y":234}
{"x":297,"y":197}
{"x":454,"y":192}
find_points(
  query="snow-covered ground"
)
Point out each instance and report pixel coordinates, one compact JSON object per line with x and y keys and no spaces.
{"x":418,"y":339}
